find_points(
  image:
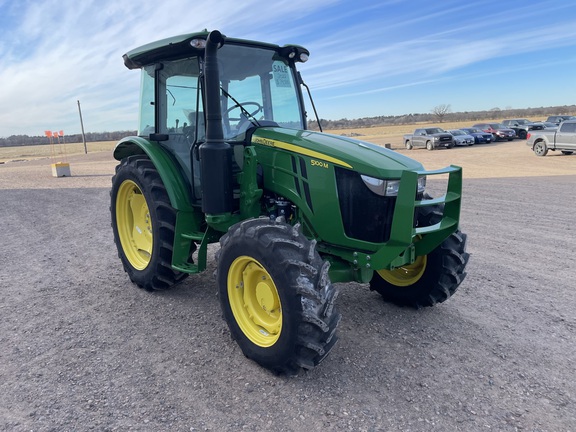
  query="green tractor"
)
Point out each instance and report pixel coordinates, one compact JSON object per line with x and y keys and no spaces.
{"x":223,"y":155}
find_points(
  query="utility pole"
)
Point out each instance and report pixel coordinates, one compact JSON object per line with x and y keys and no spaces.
{"x":82,"y":126}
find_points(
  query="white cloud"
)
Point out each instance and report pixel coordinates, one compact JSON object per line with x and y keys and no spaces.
{"x":60,"y":52}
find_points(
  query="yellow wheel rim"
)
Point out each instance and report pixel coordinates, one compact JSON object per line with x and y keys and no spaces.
{"x":406,"y":275}
{"x":134,"y":224}
{"x":254,"y":301}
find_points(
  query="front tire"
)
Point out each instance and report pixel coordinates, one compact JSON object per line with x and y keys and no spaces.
{"x":429,"y":145}
{"x":276,"y":295}
{"x":432,"y":278}
{"x":143,"y":224}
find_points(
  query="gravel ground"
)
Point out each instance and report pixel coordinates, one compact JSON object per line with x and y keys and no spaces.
{"x":83,"y":349}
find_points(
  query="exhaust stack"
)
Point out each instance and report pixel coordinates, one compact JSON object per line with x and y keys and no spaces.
{"x":215,"y":153}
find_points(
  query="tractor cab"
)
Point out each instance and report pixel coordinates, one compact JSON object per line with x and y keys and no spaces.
{"x":258,"y":87}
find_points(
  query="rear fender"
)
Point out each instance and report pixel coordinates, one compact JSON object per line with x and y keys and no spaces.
{"x":167,"y":168}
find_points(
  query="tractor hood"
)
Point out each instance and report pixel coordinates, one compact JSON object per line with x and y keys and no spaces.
{"x":360,"y":156}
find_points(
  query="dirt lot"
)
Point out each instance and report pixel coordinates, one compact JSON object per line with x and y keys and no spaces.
{"x":83,"y":349}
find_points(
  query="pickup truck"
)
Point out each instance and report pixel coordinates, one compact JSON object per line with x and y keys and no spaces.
{"x":559,"y":118}
{"x":563,"y":139}
{"x":431,"y":138}
{"x":522,"y":126}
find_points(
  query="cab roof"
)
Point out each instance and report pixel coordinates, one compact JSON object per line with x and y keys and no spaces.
{"x":177,"y":47}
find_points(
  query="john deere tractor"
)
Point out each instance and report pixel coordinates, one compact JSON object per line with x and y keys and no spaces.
{"x":223,"y":154}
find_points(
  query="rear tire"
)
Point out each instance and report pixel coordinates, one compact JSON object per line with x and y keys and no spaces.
{"x":143,"y":224}
{"x":522,"y":134}
{"x":408,"y":145}
{"x":430,"y":279}
{"x":276,"y":295}
{"x":540,"y":148}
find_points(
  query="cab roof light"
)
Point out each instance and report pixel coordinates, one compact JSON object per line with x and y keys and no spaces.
{"x":198,"y":43}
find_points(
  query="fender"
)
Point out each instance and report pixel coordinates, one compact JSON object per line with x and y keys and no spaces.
{"x":175,"y":185}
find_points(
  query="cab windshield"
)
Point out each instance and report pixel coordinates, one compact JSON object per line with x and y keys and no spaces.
{"x":258,"y":87}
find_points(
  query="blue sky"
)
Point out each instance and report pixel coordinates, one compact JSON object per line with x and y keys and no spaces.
{"x":368,"y":58}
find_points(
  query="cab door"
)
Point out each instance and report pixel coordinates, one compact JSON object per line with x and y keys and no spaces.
{"x":419,"y":138}
{"x":179,"y":117}
{"x":566,"y":136}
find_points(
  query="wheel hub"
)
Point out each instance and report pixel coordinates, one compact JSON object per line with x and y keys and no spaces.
{"x":254,"y":301}
{"x":134,"y":224}
{"x":267,"y":299}
{"x":405,"y":275}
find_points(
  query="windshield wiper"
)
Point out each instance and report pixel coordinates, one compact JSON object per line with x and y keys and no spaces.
{"x":248,"y":116}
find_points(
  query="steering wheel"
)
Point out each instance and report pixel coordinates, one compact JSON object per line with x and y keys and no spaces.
{"x":244,"y":105}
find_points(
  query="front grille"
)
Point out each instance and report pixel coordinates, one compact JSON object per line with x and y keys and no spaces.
{"x":365,"y":215}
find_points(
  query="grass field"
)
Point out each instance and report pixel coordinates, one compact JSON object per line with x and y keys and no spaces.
{"x":58,"y":152}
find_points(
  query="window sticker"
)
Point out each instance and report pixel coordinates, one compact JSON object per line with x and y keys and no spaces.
{"x":281,"y":75}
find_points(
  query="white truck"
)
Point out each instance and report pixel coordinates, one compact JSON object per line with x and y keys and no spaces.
{"x":563,"y":139}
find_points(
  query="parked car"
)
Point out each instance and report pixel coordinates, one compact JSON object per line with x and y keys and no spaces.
{"x":431,"y":138}
{"x":461,"y":138}
{"x":480,"y":137}
{"x":563,"y":139}
{"x":522,"y":126}
{"x":549,"y":125}
{"x":557,"y":119}
{"x":498,"y":131}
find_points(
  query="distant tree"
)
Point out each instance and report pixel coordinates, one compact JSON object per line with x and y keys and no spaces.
{"x":440,"y":111}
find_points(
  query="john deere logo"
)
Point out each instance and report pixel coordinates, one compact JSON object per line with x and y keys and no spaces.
{"x":264,"y":141}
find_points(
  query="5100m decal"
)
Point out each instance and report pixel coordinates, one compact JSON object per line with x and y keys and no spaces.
{"x":321,"y":164}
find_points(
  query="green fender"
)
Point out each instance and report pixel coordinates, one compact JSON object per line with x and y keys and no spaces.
{"x":167,"y":168}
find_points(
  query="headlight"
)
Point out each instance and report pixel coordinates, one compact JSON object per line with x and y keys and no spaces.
{"x":381,"y":187}
{"x":389,"y":187}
